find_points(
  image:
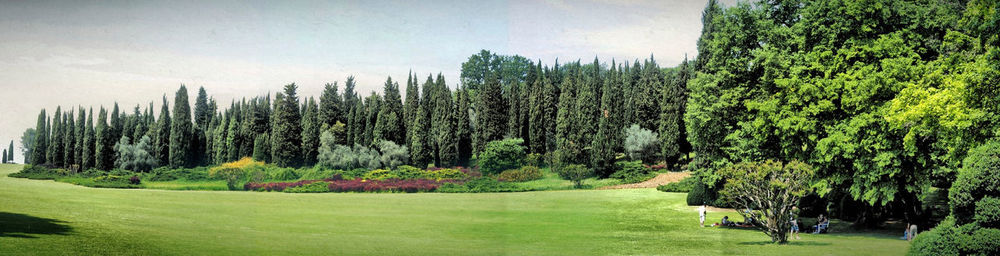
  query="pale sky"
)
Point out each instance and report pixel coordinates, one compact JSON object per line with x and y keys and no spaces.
{"x":93,"y":53}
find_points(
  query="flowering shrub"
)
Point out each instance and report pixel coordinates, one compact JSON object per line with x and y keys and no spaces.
{"x":134,"y":180}
{"x":446,"y":174}
{"x":526,"y":173}
{"x":657,"y":167}
{"x":275,"y":186}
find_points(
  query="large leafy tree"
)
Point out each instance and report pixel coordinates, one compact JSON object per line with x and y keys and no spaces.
{"x":286,"y":139}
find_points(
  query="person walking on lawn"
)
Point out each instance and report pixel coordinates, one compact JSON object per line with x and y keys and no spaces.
{"x":701,"y":215}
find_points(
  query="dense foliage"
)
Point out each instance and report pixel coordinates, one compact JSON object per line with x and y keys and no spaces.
{"x":501,"y":155}
{"x":769,"y":190}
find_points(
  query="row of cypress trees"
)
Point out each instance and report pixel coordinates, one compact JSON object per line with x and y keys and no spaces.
{"x":577,"y":111}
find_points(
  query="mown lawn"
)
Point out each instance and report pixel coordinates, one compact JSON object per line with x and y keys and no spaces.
{"x":47,"y":217}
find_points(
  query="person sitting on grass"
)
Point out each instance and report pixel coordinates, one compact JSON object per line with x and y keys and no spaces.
{"x":726,"y":222}
{"x":821,"y":224}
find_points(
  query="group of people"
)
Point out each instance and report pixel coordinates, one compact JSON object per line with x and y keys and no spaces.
{"x":822,"y":225}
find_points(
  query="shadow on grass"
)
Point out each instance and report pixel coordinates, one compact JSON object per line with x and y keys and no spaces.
{"x":25,"y":226}
{"x":790,"y":242}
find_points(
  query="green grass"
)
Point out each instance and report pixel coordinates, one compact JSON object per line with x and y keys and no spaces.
{"x":47,"y":217}
{"x":551,"y":181}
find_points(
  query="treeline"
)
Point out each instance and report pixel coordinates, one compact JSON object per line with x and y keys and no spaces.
{"x":884,"y":98}
{"x":576,"y":113}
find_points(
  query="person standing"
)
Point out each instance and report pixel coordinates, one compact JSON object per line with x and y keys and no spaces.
{"x":795,"y":228}
{"x":701,"y":215}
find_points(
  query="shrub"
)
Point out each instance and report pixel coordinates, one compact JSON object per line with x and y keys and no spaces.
{"x":134,"y":180}
{"x":380,"y":174}
{"x":334,"y":156}
{"x":501,"y":155}
{"x":314,"y":187}
{"x":38,"y":172}
{"x":575,"y":173}
{"x":393,"y":185}
{"x":771,"y":189}
{"x":978,"y":177}
{"x":682,"y":186}
{"x":632,"y":172}
{"x":274,"y":186}
{"x":407,"y":172}
{"x":231,"y":175}
{"x":534,"y":159}
{"x":988,"y":212}
{"x":166,"y":174}
{"x":317,"y":173}
{"x":526,"y":173}
{"x":393,"y":155}
{"x":136,"y":156}
{"x":640,"y":144}
{"x":698,"y":194}
{"x":446,"y":174}
{"x":284,"y":174}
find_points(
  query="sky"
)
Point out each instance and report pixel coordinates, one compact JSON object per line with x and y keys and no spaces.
{"x":96,"y":53}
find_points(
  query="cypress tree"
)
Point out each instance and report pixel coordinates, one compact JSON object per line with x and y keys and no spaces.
{"x":116,"y":126}
{"x":588,"y":105}
{"x":41,"y":140}
{"x":647,"y":103}
{"x":608,"y":132}
{"x":672,"y":116}
{"x":350,"y":104}
{"x":87,"y":157}
{"x":202,"y":117}
{"x":513,"y":111}
{"x":412,"y":105}
{"x":286,"y":139}
{"x":357,"y":130}
{"x":492,"y":112}
{"x":261,"y":148}
{"x":463,"y":127}
{"x":566,"y":145}
{"x":102,"y":150}
{"x":232,"y":149}
{"x":420,"y":151}
{"x":389,"y":125}
{"x":161,"y":136}
{"x":80,"y":132}
{"x":56,"y":140}
{"x":630,"y":81}
{"x":428,"y":104}
{"x":373,"y":107}
{"x":5,"y":155}
{"x":180,"y":131}
{"x":536,"y":112}
{"x":10,"y":151}
{"x":220,"y":144}
{"x":69,"y":139}
{"x":310,"y":133}
{"x":202,"y":112}
{"x":445,"y":135}
{"x":550,"y":104}
{"x":331,"y":109}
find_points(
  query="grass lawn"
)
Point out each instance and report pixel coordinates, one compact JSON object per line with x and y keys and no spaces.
{"x":47,"y":217}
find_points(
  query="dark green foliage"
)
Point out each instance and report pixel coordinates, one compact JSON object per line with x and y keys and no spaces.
{"x":699,"y":194}
{"x":443,"y":128}
{"x":463,"y":128}
{"x":420,"y":150}
{"x":286,"y":136}
{"x":412,"y":107}
{"x":181,"y":131}
{"x":988,"y":212}
{"x":87,"y":148}
{"x":491,"y":112}
{"x":262,"y":148}
{"x":568,"y":149}
{"x":161,"y":135}
{"x":69,"y":140}
{"x":588,"y":107}
{"x":28,"y":144}
{"x":632,"y":172}
{"x":979,"y":178}
{"x":537,"y":112}
{"x":501,"y":155}
{"x":55,"y":152}
{"x":310,"y":133}
{"x":389,"y":124}
{"x":40,"y":146}
{"x":331,"y":106}
{"x":575,"y":173}
{"x":4,"y":156}
{"x":671,"y":127}
{"x":682,"y":186}
{"x":608,"y":137}
{"x":103,"y":148}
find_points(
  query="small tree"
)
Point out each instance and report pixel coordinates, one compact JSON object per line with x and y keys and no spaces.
{"x":769,"y":189}
{"x":393,"y":155}
{"x":501,"y":155}
{"x":641,"y":144}
{"x":575,"y":173}
{"x":134,"y":157}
